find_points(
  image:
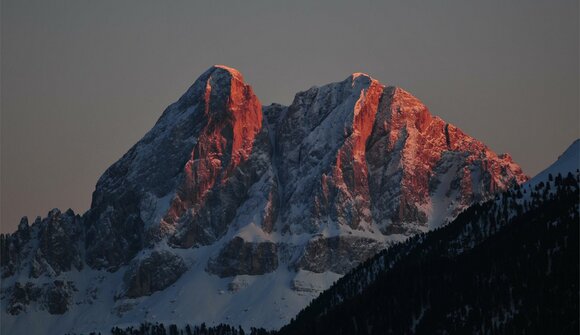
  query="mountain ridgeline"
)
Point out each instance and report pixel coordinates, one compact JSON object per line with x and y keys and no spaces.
{"x":506,"y":266}
{"x":244,"y":205}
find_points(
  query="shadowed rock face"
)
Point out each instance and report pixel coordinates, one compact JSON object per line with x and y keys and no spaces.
{"x":153,"y":273}
{"x":54,"y":297}
{"x":59,"y":250}
{"x":50,"y":246}
{"x":338,"y":254}
{"x":57,"y":297}
{"x":244,"y":258}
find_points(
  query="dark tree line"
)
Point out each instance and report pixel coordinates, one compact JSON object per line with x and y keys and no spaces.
{"x":148,"y":328}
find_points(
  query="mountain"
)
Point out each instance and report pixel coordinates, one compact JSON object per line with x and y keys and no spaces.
{"x":230,"y":211}
{"x":568,"y":162}
{"x":507,"y":266}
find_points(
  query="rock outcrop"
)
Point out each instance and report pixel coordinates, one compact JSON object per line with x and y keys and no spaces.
{"x":244,"y":258}
{"x":152,"y":273}
{"x":338,"y":254}
{"x":49,"y":247}
{"x":54,"y":297}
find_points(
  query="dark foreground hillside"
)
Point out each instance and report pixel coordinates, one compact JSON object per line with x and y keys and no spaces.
{"x":509,"y":266}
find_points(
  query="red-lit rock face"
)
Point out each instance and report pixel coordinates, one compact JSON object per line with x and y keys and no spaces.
{"x":233,"y":119}
{"x":346,"y":188}
{"x":396,"y":168}
{"x":353,"y":157}
{"x":424,"y":145}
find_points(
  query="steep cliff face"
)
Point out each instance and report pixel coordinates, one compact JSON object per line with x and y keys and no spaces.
{"x":519,"y":249}
{"x":218,"y":174}
{"x":259,"y":197}
{"x":48,"y":247}
{"x":356,"y":158}
{"x":186,"y":177}
{"x":351,"y":156}
{"x":428,"y":169}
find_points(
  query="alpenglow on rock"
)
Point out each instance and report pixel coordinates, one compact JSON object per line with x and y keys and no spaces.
{"x":248,"y":204}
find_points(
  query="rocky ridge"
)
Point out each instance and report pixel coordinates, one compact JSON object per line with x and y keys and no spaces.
{"x":228,"y":187}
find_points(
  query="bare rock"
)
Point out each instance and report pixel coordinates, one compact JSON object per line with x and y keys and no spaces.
{"x":154,"y":273}
{"x":337,"y":254}
{"x":55,"y":297}
{"x":239,"y":257}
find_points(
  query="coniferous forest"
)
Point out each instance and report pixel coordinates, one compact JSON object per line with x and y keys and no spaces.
{"x":148,"y":328}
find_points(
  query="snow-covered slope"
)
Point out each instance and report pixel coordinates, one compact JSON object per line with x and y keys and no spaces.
{"x":567,"y":162}
{"x":228,"y":211}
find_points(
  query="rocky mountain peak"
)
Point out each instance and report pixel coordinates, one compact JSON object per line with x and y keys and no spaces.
{"x":360,"y":80}
{"x":198,"y":144}
{"x":222,"y":186}
{"x":234,"y":119}
{"x":234,"y":73}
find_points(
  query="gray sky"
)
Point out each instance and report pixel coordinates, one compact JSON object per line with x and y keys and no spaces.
{"x":82,"y":81}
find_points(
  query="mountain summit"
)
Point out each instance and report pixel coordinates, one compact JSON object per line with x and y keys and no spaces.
{"x":254,"y":208}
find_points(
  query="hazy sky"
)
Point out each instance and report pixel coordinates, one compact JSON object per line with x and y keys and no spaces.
{"x":82,"y":81}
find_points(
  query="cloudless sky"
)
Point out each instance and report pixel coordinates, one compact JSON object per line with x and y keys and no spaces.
{"x":82,"y":81}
